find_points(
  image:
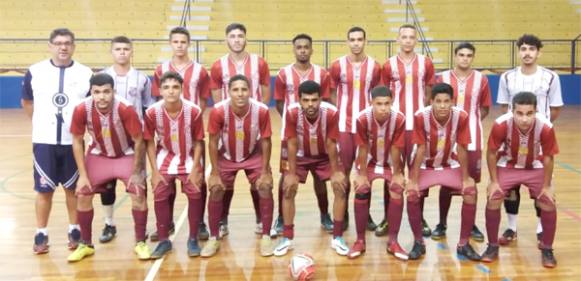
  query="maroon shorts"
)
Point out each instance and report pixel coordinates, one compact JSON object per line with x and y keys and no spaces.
{"x":474,"y":168}
{"x":101,"y":170}
{"x":407,"y":149}
{"x":252,"y":166}
{"x":163,"y":190}
{"x":317,"y":166}
{"x":374,"y":173}
{"x":347,"y":149}
{"x":509,"y":178}
{"x":450,"y":177}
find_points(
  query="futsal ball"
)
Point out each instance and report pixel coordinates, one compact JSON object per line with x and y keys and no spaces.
{"x":301,"y":267}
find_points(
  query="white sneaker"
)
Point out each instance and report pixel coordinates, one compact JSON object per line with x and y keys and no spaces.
{"x":273,"y":233}
{"x":340,"y":246}
{"x":223,"y":230}
{"x":283,"y":247}
{"x":258,"y":229}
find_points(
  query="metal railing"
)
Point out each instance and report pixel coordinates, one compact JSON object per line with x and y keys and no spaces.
{"x":494,"y":55}
{"x":186,"y":13}
{"x":410,"y":13}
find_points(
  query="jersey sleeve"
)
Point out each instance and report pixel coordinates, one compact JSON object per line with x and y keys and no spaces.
{"x":79,"y":120}
{"x":399,"y":133}
{"x":264,"y":72}
{"x":386,"y":74}
{"x":27,"y":87}
{"x":290,"y":129}
{"x":503,"y":94}
{"x":418,"y":133}
{"x":215,"y":121}
{"x":155,"y":84}
{"x":264,"y":123}
{"x":463,"y":136}
{"x":376,"y":78}
{"x":216,"y":76}
{"x":335,"y":75}
{"x":149,"y":124}
{"x":549,"y":141}
{"x":131,"y":121}
{"x":197,"y":125}
{"x":497,"y":136}
{"x":204,"y":84}
{"x":147,"y":98}
{"x":429,"y":79}
{"x":333,"y":126}
{"x":361,"y":133}
{"x":279,"y":86}
{"x":325,"y":85}
{"x":555,"y":96}
{"x":485,"y":95}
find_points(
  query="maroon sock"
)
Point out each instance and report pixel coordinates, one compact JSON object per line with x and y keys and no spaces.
{"x":445,"y":199}
{"x":86,"y":223}
{"x":227,"y":201}
{"x":467,"y":222}
{"x":204,"y":193}
{"x":394,"y":218}
{"x":322,"y":200}
{"x":162,"y":215}
{"x":256,"y":203}
{"x":172,"y":203}
{"x":492,"y":225}
{"x":386,"y":199}
{"x":280,"y":198}
{"x":337,"y":228}
{"x":415,"y":219}
{"x":422,"y":201}
{"x":288,"y":231}
{"x":549,"y":223}
{"x":361,"y":216}
{"x":214,"y":215}
{"x":140,"y":224}
{"x":194,"y":216}
{"x":266,"y":206}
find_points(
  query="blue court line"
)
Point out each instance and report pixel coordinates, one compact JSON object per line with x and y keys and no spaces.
{"x":483,"y":268}
{"x":441,"y":246}
{"x":568,"y":167}
{"x":506,"y":279}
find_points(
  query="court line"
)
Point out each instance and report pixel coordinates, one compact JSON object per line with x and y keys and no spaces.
{"x":157,"y":264}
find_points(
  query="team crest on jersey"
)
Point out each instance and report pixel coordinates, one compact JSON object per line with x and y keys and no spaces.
{"x":132,"y":92}
{"x":60,"y":100}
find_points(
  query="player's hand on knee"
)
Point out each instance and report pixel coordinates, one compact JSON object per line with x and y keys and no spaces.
{"x":468,"y":182}
{"x":361,"y":181}
{"x":398,"y":179}
{"x":546,"y":196}
{"x":157,"y":179}
{"x":215,"y":183}
{"x":264,"y":181}
{"x":83,"y":186}
{"x":493,"y":191}
{"x":196,"y":178}
{"x":136,"y":183}
{"x":339,"y":181}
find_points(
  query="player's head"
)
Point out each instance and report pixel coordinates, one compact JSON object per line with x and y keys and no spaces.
{"x":236,"y":37}
{"x":179,"y":40}
{"x":442,"y":100}
{"x":529,"y":49}
{"x":239,"y":91}
{"x":303,"y":47}
{"x":407,"y":38}
{"x":381,"y":100}
{"x":310,"y":98}
{"x":102,"y":88}
{"x":356,"y":39}
{"x":121,"y":50}
{"x":524,"y":108}
{"x":170,"y":86}
{"x":61,"y":44}
{"x":464,"y":55}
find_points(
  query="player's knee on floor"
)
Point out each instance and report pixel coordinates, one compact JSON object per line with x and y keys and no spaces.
{"x":545,"y":203}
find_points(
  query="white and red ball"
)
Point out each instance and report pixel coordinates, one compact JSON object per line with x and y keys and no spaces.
{"x":301,"y":267}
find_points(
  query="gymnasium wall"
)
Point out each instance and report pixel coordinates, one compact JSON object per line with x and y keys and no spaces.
{"x":571,"y":87}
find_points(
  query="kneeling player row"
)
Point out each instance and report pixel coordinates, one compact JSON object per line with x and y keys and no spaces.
{"x":239,"y":139}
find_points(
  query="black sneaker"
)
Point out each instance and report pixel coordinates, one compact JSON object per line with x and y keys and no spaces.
{"x":154,"y":237}
{"x":476,"y":234}
{"x":371,"y":226}
{"x":74,"y":239}
{"x":203,"y":233}
{"x":40,"y":244}
{"x":109,"y":232}
{"x":382,"y":229}
{"x":426,"y":231}
{"x":193,"y":248}
{"x":468,"y":252}
{"x":327,"y":223}
{"x":539,"y":237}
{"x":508,"y":236}
{"x":549,"y":260}
{"x":417,"y":251}
{"x":491,"y":254}
{"x":161,"y":249}
{"x":439,"y":232}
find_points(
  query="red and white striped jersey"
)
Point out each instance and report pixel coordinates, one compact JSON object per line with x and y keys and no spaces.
{"x":380,"y":137}
{"x":175,"y":137}
{"x":239,"y":136}
{"x":440,"y":140}
{"x":288,"y":80}
{"x":408,"y":83}
{"x":254,"y":68}
{"x":522,"y":151}
{"x":111,"y":133}
{"x":312,"y":136}
{"x":196,"y":81}
{"x":470,"y":94}
{"x":353,"y":85}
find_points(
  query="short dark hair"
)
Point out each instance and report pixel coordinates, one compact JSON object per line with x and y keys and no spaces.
{"x":465,"y":45}
{"x":121,"y":39}
{"x":407,"y":25}
{"x":61,"y":32}
{"x":234,"y":26}
{"x":524,"y":98}
{"x":179,"y":30}
{"x":101,"y":79}
{"x":442,"y":88}
{"x":303,"y":36}
{"x":381,"y":91}
{"x":171,"y":75}
{"x":529,"y":39}
{"x":238,"y":77}
{"x":309,"y":87}
{"x":356,"y":29}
